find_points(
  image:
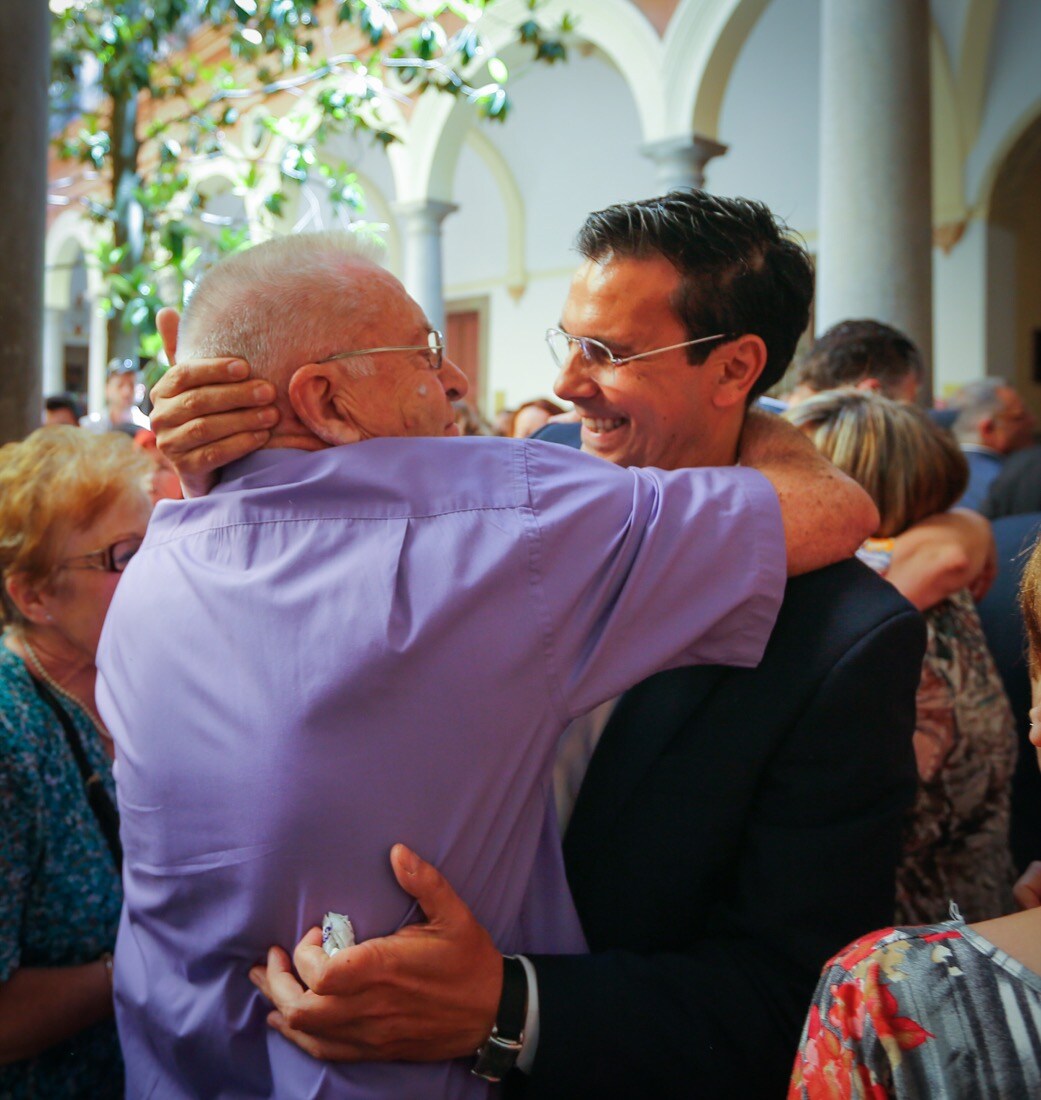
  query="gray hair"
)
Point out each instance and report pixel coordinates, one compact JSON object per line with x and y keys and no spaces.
{"x":974,"y":402}
{"x":270,"y":304}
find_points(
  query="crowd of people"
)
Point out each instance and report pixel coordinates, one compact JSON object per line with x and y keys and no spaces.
{"x":682,"y":749}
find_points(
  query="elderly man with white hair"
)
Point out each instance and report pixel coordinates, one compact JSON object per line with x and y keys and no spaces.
{"x":366,"y":633}
{"x":992,"y":422}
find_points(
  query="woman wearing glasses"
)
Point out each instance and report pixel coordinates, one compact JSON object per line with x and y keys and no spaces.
{"x":73,"y":511}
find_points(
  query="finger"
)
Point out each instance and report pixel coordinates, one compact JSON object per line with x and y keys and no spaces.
{"x":167,"y":322}
{"x":201,"y":464}
{"x":174,"y":410}
{"x":258,"y":976}
{"x":284,"y":991}
{"x":427,"y":885}
{"x":318,"y":971}
{"x":321,"y":1049}
{"x":199,"y":372}
{"x":1027,"y":890}
{"x":174,"y":441}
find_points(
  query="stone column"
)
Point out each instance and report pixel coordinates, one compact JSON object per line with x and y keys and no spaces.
{"x":875,"y":219}
{"x":424,"y":266}
{"x":97,"y":359}
{"x":24,"y":77}
{"x":53,"y":350}
{"x":680,"y":161}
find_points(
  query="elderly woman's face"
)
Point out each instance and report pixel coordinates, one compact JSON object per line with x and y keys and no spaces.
{"x":79,"y":593}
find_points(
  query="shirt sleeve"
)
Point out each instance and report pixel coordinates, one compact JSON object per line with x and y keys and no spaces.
{"x":641,"y":570}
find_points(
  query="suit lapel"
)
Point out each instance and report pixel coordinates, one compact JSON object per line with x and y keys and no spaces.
{"x":645,"y":721}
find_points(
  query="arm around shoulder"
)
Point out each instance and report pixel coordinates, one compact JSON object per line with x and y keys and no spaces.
{"x":826,"y":514}
{"x":942,"y":554}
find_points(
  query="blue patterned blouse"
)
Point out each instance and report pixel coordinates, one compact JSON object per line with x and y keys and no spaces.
{"x":60,"y":894}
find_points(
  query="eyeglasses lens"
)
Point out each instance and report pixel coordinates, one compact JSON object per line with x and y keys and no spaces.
{"x":120,"y":553}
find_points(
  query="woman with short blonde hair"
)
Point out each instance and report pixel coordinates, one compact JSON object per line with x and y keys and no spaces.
{"x":956,"y":845}
{"x":73,"y":512}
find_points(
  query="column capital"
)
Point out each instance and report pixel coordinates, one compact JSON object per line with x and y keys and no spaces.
{"x":425,"y":213}
{"x":681,"y":160}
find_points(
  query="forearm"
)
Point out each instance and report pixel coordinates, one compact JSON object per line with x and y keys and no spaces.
{"x":937,"y":557}
{"x":826,"y":515}
{"x":40,"y":1007}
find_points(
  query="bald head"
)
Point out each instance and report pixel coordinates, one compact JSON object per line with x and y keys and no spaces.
{"x":299,"y":310}
{"x":287,"y":301}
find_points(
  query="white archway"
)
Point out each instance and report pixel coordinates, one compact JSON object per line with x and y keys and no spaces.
{"x":424,"y":166}
{"x":702,"y":43}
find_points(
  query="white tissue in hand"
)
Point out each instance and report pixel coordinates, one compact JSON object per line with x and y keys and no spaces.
{"x":337,"y":933}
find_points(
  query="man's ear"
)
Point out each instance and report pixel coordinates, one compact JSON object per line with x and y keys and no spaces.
{"x":740,"y":363}
{"x":167,"y":322}
{"x":986,"y":429}
{"x":27,"y":597}
{"x":869,"y":385}
{"x":317,"y":398}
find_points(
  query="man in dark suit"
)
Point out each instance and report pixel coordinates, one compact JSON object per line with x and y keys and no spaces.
{"x":735,"y":827}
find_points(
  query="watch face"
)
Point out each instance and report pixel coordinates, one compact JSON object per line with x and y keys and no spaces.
{"x":497,"y":1057}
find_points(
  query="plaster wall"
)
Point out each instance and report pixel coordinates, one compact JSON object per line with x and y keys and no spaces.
{"x":960,"y":310}
{"x":572,"y":144}
{"x":770,"y":117}
{"x":1013,"y":86}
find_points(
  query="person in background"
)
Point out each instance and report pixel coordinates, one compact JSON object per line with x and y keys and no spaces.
{"x":468,"y":420}
{"x":73,"y":512}
{"x":1017,"y":487}
{"x":121,"y":411}
{"x":957,"y":844}
{"x":862,"y":355}
{"x":61,"y":408}
{"x":531,"y":416}
{"x":164,"y":483}
{"x":501,"y":422}
{"x":991,"y":423}
{"x":947,"y":1009}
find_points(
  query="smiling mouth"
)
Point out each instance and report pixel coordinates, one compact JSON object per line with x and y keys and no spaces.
{"x":600,"y":425}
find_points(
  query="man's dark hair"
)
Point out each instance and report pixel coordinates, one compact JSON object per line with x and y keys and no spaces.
{"x":740,"y":271}
{"x":63,"y":401}
{"x":851,"y":351}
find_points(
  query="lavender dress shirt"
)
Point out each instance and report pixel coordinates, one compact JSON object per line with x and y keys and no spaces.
{"x":335,"y":651}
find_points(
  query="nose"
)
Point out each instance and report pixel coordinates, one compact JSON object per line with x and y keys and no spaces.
{"x":453,"y":380}
{"x":574,"y":381}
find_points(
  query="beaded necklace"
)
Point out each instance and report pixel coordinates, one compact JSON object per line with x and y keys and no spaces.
{"x":49,"y":680}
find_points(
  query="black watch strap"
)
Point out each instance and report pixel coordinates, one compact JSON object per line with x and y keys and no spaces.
{"x":500,"y":1050}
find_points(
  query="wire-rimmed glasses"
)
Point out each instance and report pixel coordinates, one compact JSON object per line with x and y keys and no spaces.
{"x":434,"y":347}
{"x":111,"y":559}
{"x":598,"y":356}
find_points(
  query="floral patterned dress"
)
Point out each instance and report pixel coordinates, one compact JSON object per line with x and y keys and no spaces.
{"x":922,"y":1013}
{"x":60,"y":894}
{"x":956,"y":845}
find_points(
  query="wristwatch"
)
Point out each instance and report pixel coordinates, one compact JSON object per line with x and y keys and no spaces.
{"x":497,"y":1056}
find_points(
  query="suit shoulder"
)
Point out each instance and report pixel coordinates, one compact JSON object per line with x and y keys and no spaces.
{"x":847,"y":599}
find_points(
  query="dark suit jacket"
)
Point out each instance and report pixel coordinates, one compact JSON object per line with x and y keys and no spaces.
{"x":1007,"y":640}
{"x":735,"y":828}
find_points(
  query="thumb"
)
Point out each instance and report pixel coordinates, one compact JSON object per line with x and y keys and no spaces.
{"x":167,"y":322}
{"x":426,"y":884}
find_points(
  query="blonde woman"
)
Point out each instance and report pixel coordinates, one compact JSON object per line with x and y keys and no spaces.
{"x":945,"y":1010}
{"x":73,"y":510}
{"x":956,"y":846}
